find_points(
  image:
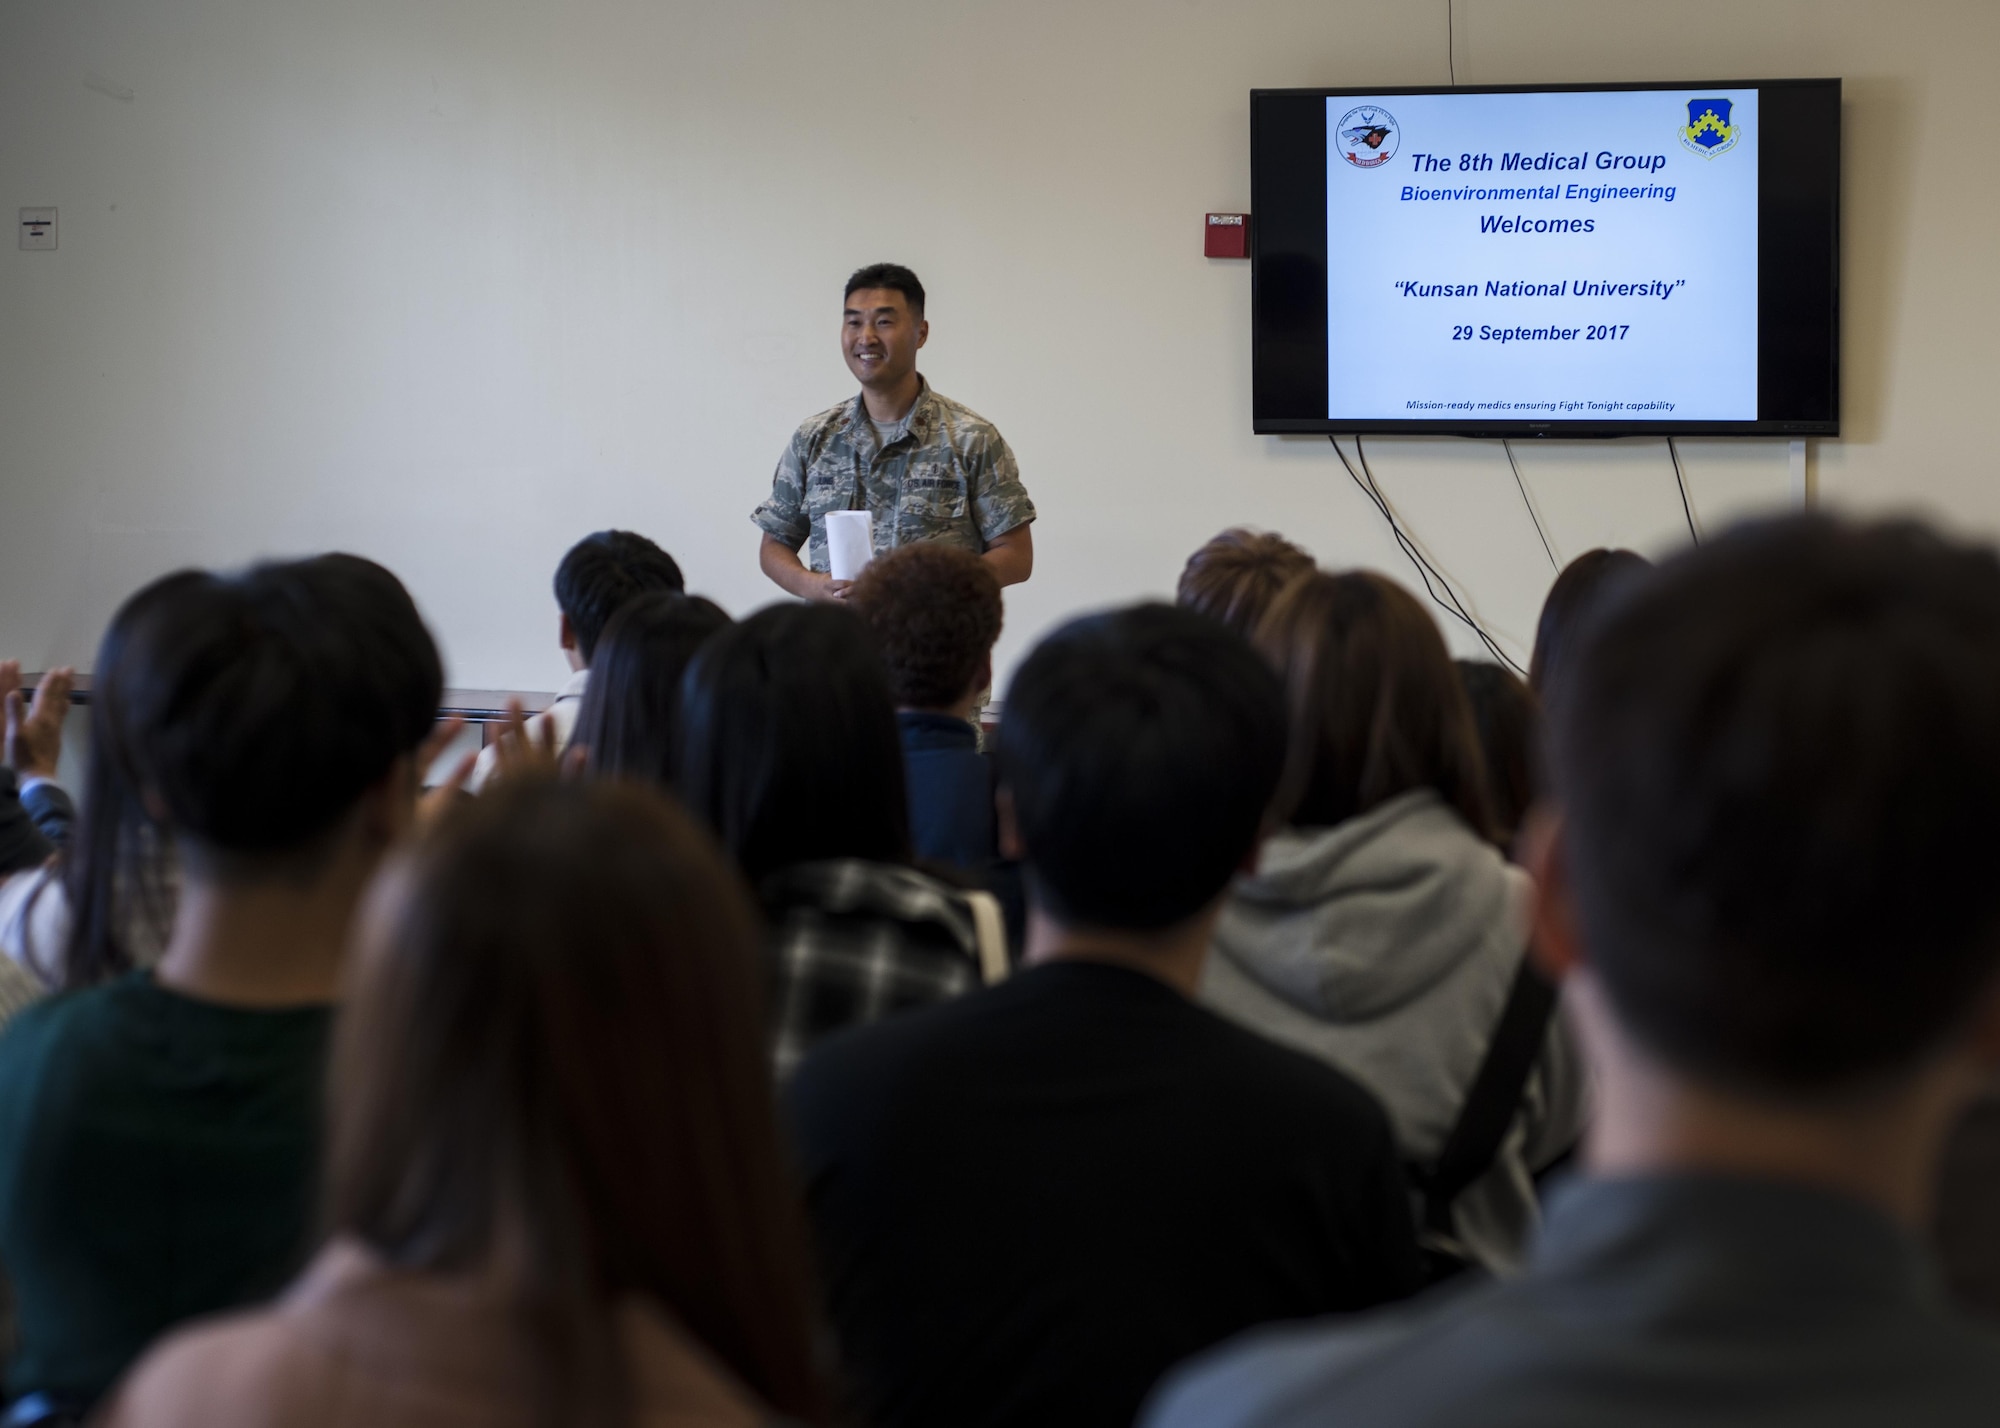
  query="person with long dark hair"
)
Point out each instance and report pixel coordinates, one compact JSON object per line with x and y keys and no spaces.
{"x":1508,"y":722}
{"x":631,"y":707}
{"x":105,"y":904}
{"x":789,"y":751}
{"x":556,"y":1190}
{"x":159,"y":1130}
{"x":1382,"y":929}
{"x":1580,"y":589}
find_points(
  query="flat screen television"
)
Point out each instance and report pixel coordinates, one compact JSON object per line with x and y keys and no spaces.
{"x":1547,"y":260}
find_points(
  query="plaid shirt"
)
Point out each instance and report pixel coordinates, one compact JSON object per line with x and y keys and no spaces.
{"x":852,"y":942}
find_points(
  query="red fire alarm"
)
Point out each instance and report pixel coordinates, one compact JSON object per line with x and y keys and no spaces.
{"x":1226,"y":235}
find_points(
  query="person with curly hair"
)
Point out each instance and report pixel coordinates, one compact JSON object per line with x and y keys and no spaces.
{"x":936,"y":613}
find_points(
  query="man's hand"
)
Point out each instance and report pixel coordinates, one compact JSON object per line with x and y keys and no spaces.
{"x":782,"y":564}
{"x":32,"y":745}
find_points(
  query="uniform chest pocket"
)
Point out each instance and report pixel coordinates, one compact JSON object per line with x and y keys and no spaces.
{"x":829,"y":487}
{"x":935,"y":493}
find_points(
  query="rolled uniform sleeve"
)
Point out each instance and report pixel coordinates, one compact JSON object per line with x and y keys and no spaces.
{"x":999,"y":501}
{"x":782,"y":516}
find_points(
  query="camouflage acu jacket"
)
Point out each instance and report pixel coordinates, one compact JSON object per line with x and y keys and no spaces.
{"x":950,"y":478}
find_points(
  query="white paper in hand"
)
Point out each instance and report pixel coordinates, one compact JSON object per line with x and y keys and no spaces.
{"x":847,"y":543}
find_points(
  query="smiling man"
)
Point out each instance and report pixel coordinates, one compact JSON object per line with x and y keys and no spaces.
{"x":922,"y":466}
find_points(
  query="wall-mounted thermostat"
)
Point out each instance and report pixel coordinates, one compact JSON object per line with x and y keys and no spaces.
{"x":38,"y":228}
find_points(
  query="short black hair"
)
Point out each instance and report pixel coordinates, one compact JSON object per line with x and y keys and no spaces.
{"x":789,"y":747}
{"x":1779,"y":762}
{"x":1141,"y":749}
{"x":628,"y":724}
{"x":257,"y":708}
{"x":604,"y":570}
{"x":893,"y":276}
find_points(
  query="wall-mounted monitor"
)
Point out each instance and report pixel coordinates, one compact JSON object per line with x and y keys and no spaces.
{"x":1549,"y":260}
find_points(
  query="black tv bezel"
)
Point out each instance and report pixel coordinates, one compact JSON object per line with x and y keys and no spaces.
{"x":1798,"y":269}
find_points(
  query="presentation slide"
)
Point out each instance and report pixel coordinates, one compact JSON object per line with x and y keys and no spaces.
{"x":1543,"y":257}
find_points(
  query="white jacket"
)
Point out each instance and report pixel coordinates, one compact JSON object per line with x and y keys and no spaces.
{"x":1386,"y":946}
{"x":561,"y":715}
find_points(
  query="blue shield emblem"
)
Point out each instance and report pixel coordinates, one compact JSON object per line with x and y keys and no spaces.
{"x":1708,"y":130}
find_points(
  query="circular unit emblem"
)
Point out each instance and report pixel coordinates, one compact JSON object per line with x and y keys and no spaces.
{"x":1366,"y":136}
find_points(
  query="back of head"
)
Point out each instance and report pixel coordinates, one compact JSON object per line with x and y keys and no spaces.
{"x":788,"y":744}
{"x":1584,"y":583}
{"x":550,"y":1072}
{"x":1236,"y":576}
{"x":601,"y":572}
{"x":249,"y":713}
{"x":628,"y":725}
{"x":1509,"y":725}
{"x":1778,"y":759}
{"x":936,"y":613}
{"x":1376,"y":706}
{"x":1140,"y":750}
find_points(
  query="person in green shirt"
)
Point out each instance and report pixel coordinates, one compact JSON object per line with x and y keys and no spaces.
{"x":159,"y":1131}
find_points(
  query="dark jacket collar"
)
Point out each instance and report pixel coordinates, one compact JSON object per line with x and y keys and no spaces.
{"x":924,"y":730}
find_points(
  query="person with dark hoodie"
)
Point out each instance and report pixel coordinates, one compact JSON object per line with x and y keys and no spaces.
{"x":1383,"y":931}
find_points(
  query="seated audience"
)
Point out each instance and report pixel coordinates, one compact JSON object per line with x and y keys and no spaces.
{"x":1508,"y":725}
{"x":556,"y":1190}
{"x":1033,"y":1200}
{"x":1382,"y":931}
{"x":1583,"y":584}
{"x":935,"y":610}
{"x":35,"y":819}
{"x":1771,"y":881}
{"x":789,"y":752}
{"x":118,"y":867}
{"x":597,"y":575}
{"x":1236,"y":576}
{"x":35,"y":812}
{"x":159,"y":1132}
{"x":628,"y":725}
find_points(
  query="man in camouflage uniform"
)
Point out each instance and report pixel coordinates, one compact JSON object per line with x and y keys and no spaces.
{"x":923,"y":467}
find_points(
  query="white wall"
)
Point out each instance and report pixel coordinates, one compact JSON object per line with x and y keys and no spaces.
{"x":450,"y":282}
